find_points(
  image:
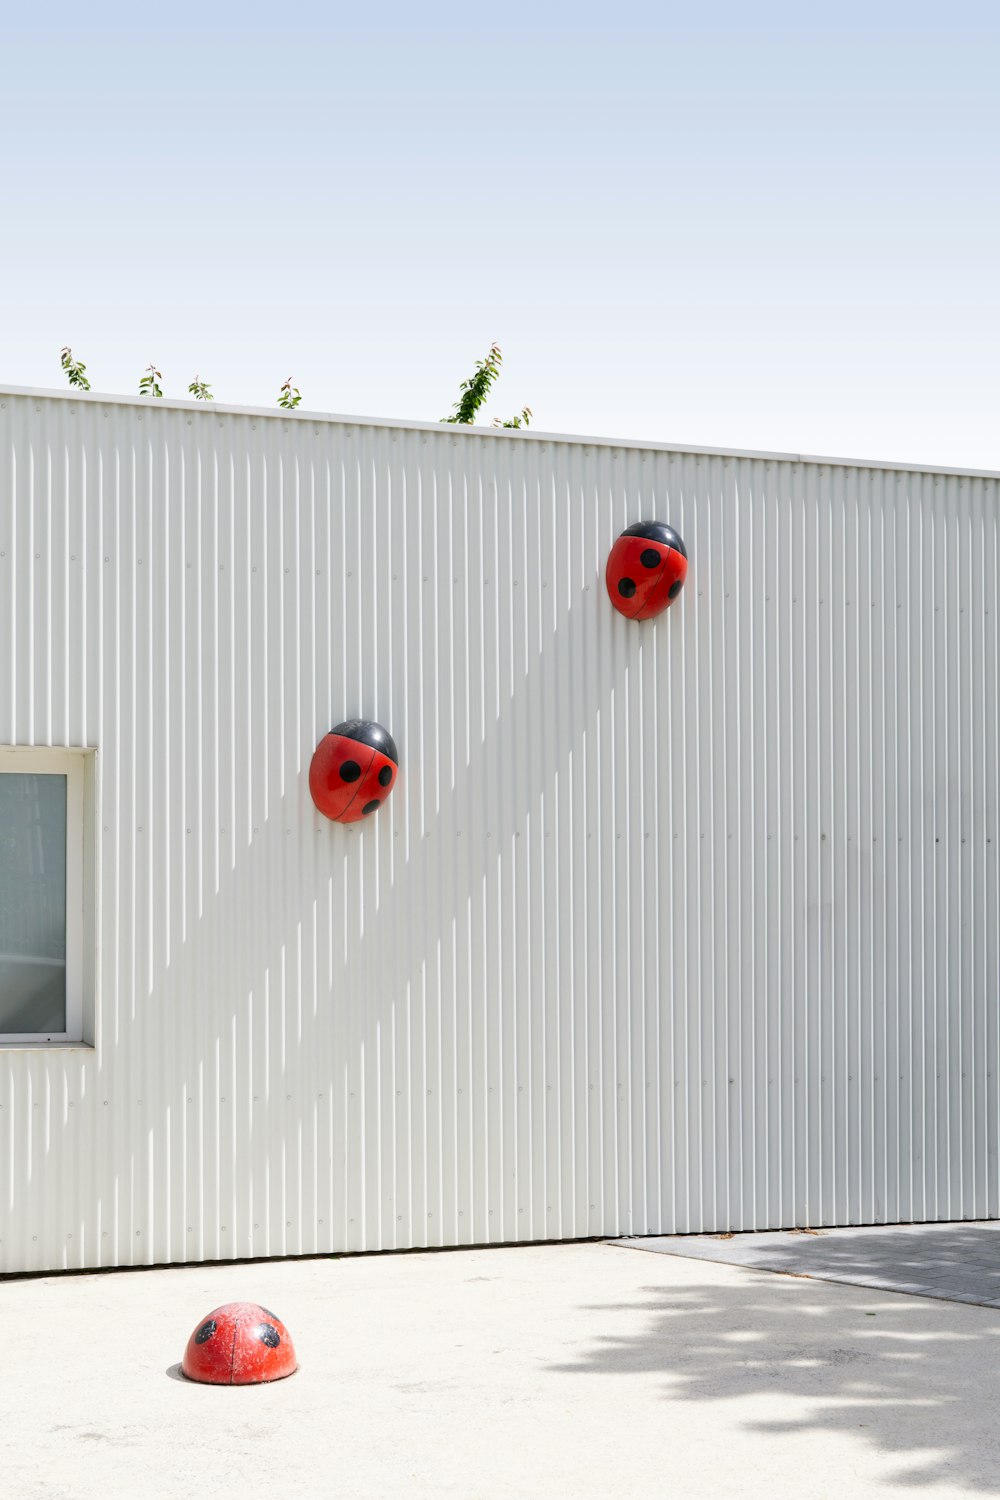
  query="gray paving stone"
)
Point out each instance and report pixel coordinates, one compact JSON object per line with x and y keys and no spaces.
{"x":954,"y":1262}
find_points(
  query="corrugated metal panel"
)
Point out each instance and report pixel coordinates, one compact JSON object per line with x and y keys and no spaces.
{"x":688,"y":926}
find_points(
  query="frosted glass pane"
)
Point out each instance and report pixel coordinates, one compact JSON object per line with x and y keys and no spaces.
{"x":32,"y":903}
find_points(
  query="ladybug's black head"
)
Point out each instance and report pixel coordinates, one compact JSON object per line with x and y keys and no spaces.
{"x":657,"y":531}
{"x":367,"y":732}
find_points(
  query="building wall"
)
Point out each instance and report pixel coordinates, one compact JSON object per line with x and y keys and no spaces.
{"x":684,"y":926}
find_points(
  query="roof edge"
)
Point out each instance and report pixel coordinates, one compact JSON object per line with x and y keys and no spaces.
{"x":500,"y":434}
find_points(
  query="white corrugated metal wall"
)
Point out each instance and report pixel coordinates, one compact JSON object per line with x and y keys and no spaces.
{"x":689,"y":925}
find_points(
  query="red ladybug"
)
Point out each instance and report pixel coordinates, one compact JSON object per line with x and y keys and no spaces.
{"x":646,"y":570}
{"x":239,"y":1344}
{"x":353,"y":770}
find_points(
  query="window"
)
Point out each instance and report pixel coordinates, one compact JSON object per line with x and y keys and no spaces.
{"x":41,"y":896}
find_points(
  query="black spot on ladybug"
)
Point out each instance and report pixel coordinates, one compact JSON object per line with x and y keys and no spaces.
{"x":675,"y":588}
{"x":350,"y":771}
{"x":385,"y":775}
{"x":268,"y":1335}
{"x":651,"y":558}
{"x":269,"y":1314}
{"x":205,"y":1331}
{"x":626,"y":588}
{"x":370,"y":806}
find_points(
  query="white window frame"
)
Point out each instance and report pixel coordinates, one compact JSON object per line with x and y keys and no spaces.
{"x":68,"y":763}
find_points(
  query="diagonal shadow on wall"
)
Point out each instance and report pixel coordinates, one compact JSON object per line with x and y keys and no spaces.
{"x":340,"y":1011}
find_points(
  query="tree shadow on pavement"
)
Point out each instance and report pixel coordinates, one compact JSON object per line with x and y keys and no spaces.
{"x":916,"y":1379}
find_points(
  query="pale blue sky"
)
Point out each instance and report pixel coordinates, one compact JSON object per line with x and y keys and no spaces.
{"x":770,"y":225}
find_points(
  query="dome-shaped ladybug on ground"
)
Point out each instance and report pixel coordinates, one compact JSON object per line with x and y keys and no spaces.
{"x":646,"y":569}
{"x":239,"y":1344}
{"x":353,"y":770}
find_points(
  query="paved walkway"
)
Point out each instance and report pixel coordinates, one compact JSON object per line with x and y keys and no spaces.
{"x":959,"y":1262}
{"x":542,"y":1373}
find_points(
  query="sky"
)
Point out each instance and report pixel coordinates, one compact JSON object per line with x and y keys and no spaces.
{"x":769,"y":226}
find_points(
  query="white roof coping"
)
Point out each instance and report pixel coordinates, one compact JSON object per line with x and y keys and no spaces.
{"x":529,"y":435}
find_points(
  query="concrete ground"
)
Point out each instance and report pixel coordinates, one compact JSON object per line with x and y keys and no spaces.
{"x":576,"y":1370}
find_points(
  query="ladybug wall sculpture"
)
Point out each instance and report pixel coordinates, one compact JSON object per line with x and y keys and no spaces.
{"x":239,"y":1344}
{"x":646,"y":570}
{"x":353,"y":770}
